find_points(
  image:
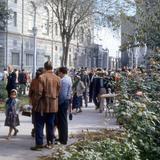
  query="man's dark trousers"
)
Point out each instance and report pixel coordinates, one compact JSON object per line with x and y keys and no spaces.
{"x":62,"y":122}
{"x":40,"y":120}
{"x":95,"y":100}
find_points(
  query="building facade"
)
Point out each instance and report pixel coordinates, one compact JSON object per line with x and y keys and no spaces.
{"x":35,"y":29}
{"x":92,"y":56}
{"x":134,"y":53}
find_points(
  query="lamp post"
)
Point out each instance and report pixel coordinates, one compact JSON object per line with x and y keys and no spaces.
{"x":34,"y":29}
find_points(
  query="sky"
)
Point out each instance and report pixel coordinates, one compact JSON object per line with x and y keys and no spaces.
{"x":108,"y":39}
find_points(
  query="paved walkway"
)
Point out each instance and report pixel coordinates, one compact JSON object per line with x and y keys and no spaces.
{"x":18,"y":148}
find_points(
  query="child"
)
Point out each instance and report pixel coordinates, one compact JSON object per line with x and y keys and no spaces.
{"x":12,"y":119}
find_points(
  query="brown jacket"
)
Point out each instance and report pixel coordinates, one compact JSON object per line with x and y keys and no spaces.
{"x":48,"y":91}
{"x":33,"y":92}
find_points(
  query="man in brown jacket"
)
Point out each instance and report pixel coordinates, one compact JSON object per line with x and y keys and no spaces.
{"x":47,"y":106}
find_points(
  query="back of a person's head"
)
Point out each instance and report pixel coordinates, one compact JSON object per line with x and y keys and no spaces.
{"x":39,"y":71}
{"x":10,"y":68}
{"x":48,"y":65}
{"x":63,"y":70}
{"x":99,"y":69}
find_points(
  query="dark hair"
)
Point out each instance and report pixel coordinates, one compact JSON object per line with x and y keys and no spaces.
{"x":99,"y":69}
{"x":39,"y":71}
{"x":48,"y":65}
{"x":63,"y":70}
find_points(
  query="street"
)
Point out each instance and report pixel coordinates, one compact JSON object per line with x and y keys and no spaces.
{"x":18,"y":148}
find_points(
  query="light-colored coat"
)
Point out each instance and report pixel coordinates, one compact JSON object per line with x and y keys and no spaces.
{"x":79,"y":88}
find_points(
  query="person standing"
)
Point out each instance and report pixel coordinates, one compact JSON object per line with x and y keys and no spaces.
{"x":22,"y":80}
{"x":12,"y":119}
{"x":78,"y":89}
{"x":5,"y":75}
{"x":46,"y":107}
{"x":64,"y":100}
{"x":91,"y":75}
{"x":98,"y":87}
{"x":86,"y":81}
{"x":32,"y":95}
{"x":11,"y":79}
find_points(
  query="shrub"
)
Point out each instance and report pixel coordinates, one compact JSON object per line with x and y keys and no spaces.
{"x":103,"y":150}
{"x":3,"y":92}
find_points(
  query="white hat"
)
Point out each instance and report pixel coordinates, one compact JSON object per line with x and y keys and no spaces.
{"x":14,"y":90}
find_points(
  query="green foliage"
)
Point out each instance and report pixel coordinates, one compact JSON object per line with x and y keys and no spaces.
{"x":142,"y":124}
{"x":148,"y":23}
{"x":101,"y":150}
{"x":140,"y":115}
{"x":3,"y":92}
{"x":4,"y":15}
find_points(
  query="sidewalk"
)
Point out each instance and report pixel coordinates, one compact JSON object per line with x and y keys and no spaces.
{"x":18,"y":148}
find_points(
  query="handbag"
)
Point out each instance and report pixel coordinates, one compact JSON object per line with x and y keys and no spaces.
{"x":27,"y":110}
{"x":26,"y":113}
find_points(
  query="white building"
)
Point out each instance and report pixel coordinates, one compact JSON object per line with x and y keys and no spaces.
{"x":17,"y":40}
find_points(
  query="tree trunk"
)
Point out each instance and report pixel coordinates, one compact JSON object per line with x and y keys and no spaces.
{"x":66,"y":56}
{"x":65,"y":45}
{"x":63,"y":49}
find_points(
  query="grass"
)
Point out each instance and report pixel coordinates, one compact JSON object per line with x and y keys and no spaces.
{"x":24,"y":100}
{"x":2,"y":105}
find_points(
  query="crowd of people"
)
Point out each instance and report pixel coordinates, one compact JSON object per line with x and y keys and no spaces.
{"x":54,"y":94}
{"x":16,"y":79}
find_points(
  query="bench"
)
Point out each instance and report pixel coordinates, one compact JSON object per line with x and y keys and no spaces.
{"x":110,"y":105}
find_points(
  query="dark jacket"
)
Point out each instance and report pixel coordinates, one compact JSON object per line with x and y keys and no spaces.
{"x":11,"y":81}
{"x":97,"y":84}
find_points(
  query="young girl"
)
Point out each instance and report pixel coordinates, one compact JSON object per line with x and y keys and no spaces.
{"x":12,"y":119}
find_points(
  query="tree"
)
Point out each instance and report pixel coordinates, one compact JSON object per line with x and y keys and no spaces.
{"x":4,"y":15}
{"x":72,"y":13}
{"x":69,"y":14}
{"x":148,"y":24}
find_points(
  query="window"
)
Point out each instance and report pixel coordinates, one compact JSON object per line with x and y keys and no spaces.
{"x":30,"y":16}
{"x":15,"y":58}
{"x":30,"y":22}
{"x":29,"y":60}
{"x":81,"y":35}
{"x":1,"y":56}
{"x":89,"y":37}
{"x":45,"y":21}
{"x":15,"y":19}
{"x":56,"y":29}
{"x":27,"y":44}
{"x":14,"y":43}
{"x":15,"y":1}
{"x":56,"y":48}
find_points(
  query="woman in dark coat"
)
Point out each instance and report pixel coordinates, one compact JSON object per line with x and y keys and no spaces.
{"x":11,"y":79}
